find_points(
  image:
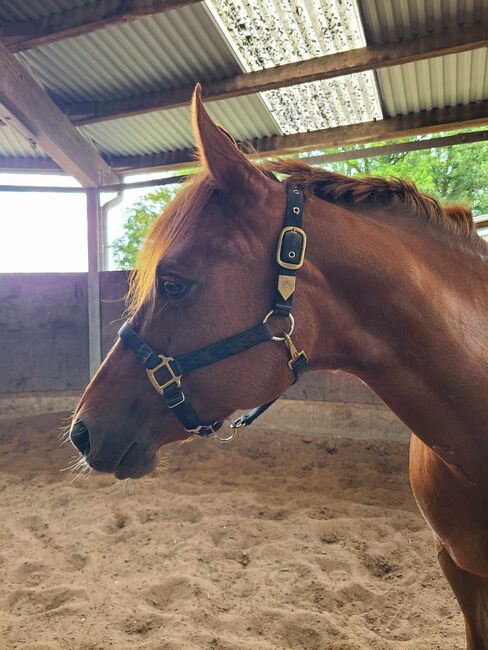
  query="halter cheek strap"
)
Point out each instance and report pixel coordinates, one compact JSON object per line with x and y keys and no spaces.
{"x":165,"y":372}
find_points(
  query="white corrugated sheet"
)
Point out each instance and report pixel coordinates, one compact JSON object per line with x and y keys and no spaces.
{"x":389,"y":21}
{"x":434,"y":83}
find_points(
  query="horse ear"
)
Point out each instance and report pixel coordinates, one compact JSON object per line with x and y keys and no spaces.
{"x":218,"y":151}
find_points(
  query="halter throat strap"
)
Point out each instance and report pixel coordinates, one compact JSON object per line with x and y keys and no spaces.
{"x":165,"y":372}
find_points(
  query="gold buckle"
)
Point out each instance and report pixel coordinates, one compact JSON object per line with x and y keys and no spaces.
{"x":291,"y":265}
{"x":165,"y":363}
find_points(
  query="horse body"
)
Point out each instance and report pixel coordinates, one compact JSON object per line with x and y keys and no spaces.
{"x":416,"y":315}
{"x":394,"y":290}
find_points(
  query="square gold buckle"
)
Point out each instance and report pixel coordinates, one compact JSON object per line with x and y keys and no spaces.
{"x":292,"y":265}
{"x":165,"y":363}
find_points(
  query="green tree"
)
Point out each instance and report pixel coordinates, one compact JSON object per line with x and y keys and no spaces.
{"x":456,"y":174}
{"x":137,"y":221}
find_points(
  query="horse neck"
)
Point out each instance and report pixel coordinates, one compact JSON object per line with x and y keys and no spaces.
{"x":404,"y":307}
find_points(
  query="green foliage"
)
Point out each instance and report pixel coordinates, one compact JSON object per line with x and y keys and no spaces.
{"x":138,"y":219}
{"x":455,"y":174}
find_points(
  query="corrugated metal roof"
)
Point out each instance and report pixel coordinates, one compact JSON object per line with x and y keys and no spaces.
{"x":222,"y":37}
{"x":432,"y":83}
{"x":444,"y":81}
{"x":388,"y":21}
{"x":266,"y":33}
{"x":24,"y":10}
{"x":244,"y":117}
{"x":154,"y":53}
{"x":13,"y":144}
{"x":157,"y":52}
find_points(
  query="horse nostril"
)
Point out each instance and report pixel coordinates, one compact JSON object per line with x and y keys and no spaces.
{"x":80,"y":437}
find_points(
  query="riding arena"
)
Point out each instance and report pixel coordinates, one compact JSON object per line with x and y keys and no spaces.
{"x":243,"y":320}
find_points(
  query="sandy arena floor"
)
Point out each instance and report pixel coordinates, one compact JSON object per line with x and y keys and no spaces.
{"x":273,"y":542}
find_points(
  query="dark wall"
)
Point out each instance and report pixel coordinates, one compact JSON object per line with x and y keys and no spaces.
{"x":43,"y":332}
{"x":44,"y":337}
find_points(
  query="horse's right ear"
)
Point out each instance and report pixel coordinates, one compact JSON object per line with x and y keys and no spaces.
{"x":218,"y":151}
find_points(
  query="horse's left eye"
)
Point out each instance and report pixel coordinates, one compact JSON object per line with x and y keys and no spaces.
{"x":172,"y":288}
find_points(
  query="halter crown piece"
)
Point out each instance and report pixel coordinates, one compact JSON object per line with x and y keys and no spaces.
{"x":165,"y":372}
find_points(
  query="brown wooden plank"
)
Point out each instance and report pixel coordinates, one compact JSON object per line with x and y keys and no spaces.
{"x":13,"y":163}
{"x":27,"y":108}
{"x":75,"y":22}
{"x":324,"y":67}
{"x":400,"y":147}
{"x":401,"y":126}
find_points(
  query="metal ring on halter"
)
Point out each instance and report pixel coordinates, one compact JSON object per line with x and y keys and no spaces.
{"x":289,"y":333}
{"x":231,"y":436}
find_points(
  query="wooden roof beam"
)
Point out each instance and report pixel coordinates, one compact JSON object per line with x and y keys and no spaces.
{"x":23,"y":35}
{"x":446,"y":119}
{"x":372,"y":57}
{"x":27,"y":108}
{"x":401,"y":126}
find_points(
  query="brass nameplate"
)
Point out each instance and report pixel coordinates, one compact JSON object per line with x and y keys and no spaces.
{"x":286,"y":285}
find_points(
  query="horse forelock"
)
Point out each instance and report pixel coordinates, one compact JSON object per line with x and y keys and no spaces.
{"x":192,"y":196}
{"x":401,"y":196}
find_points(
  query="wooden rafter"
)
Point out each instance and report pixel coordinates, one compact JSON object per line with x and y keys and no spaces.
{"x":185,"y":157}
{"x":28,"y":109}
{"x":18,"y":36}
{"x":400,"y":147}
{"x":401,"y":126}
{"x":372,"y":57}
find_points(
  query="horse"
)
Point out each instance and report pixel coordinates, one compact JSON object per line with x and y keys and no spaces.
{"x":392,"y":288}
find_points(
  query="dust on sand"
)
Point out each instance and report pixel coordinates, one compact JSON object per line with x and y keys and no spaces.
{"x":274,"y":542}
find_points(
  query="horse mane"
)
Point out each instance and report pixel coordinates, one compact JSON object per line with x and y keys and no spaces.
{"x":388,"y":194}
{"x":399,"y":195}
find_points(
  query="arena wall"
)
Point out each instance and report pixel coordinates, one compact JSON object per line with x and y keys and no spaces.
{"x":44,"y":360}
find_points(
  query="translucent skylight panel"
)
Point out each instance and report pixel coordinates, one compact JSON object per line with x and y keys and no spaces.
{"x":267,"y":33}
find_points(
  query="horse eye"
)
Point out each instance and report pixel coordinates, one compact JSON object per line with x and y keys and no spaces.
{"x":172,"y":288}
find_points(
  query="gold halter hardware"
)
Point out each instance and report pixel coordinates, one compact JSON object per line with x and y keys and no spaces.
{"x":292,"y":349}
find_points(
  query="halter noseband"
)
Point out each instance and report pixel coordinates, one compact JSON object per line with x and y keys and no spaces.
{"x":289,"y":258}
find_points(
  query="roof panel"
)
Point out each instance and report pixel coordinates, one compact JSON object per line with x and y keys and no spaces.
{"x":388,"y":21}
{"x":266,"y":33}
{"x":431,"y":83}
{"x":444,"y":81}
{"x":14,"y":144}
{"x":243,"y":117}
{"x":154,"y":53}
{"x":25,"y":10}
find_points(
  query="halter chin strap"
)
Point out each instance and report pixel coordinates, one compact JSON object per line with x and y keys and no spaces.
{"x":165,"y":372}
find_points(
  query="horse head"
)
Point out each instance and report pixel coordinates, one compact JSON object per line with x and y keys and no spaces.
{"x":206,"y":272}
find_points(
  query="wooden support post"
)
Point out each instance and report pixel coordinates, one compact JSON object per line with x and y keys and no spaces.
{"x":94,"y":322}
{"x":27,"y":108}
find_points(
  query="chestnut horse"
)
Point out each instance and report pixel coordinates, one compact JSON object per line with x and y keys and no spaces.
{"x":393,"y":290}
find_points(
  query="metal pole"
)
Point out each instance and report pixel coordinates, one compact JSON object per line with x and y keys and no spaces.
{"x":94,"y":322}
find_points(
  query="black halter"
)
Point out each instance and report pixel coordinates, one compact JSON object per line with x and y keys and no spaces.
{"x":289,"y":258}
